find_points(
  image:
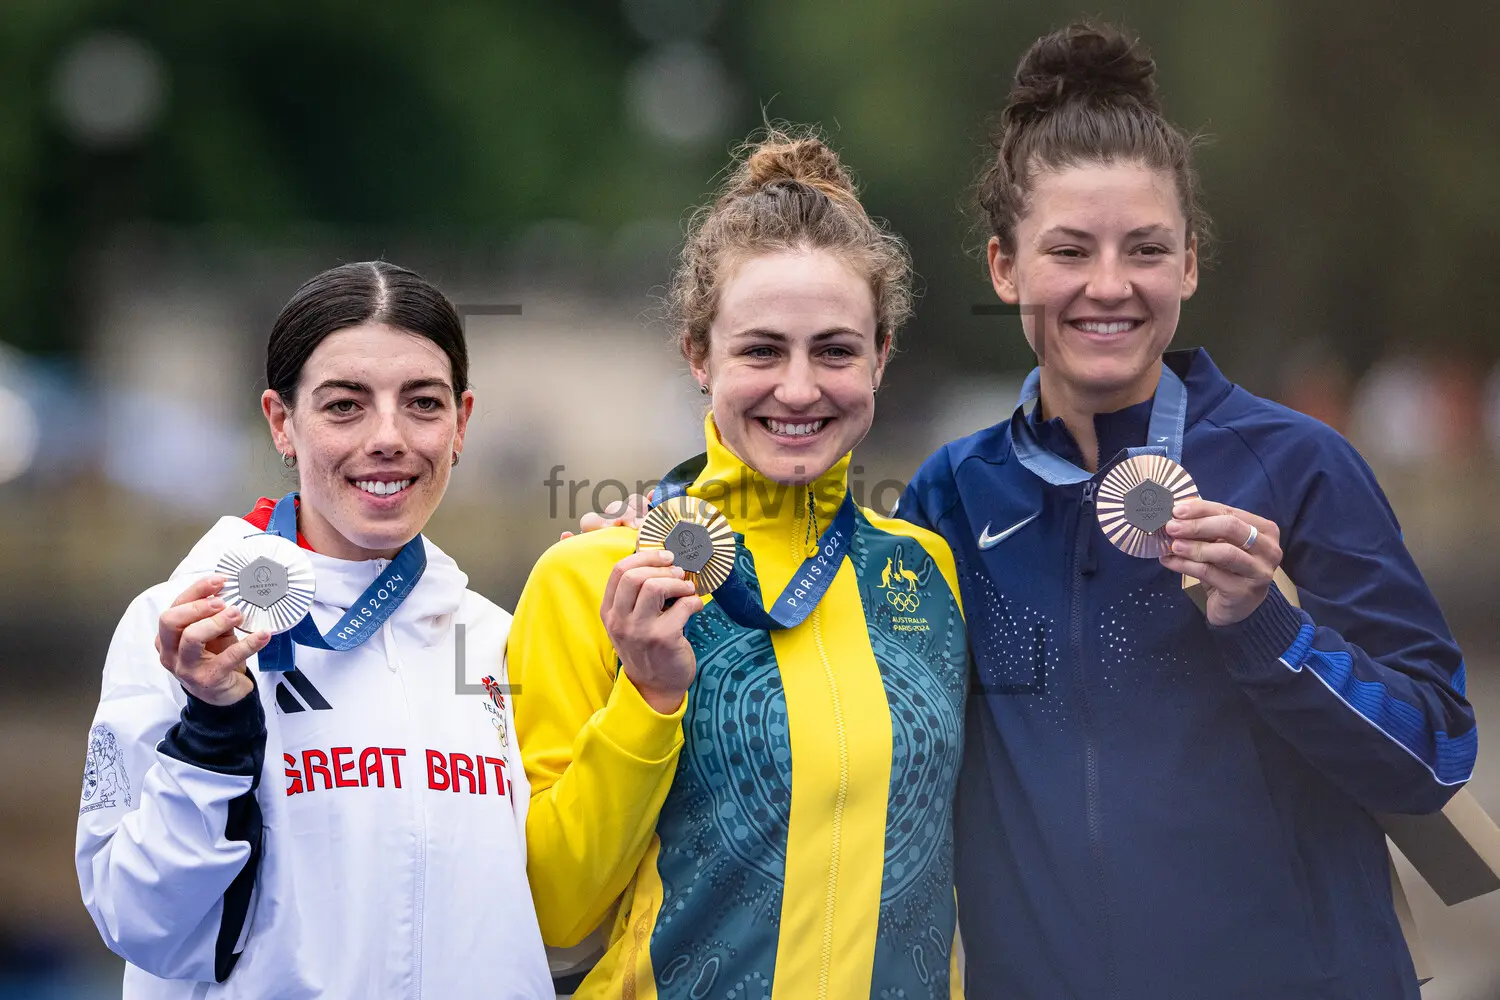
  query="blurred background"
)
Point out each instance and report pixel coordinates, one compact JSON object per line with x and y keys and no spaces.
{"x":170,"y":172}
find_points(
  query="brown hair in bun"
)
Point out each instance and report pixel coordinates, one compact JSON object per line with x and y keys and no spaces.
{"x":787,"y":192}
{"x":1083,"y":94}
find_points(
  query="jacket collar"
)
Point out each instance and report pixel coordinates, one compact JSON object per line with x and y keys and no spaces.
{"x":1121,"y":429}
{"x":761,"y":509}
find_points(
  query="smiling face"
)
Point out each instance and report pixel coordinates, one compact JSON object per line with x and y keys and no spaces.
{"x":793,"y":364}
{"x":374,"y":427}
{"x":1102,"y":265}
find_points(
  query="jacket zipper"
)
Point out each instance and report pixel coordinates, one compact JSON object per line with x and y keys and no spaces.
{"x":841,"y":735}
{"x":419,"y":868}
{"x":806,"y":549}
{"x":1083,"y":567}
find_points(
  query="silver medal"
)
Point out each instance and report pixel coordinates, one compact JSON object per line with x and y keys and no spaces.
{"x":270,"y":581}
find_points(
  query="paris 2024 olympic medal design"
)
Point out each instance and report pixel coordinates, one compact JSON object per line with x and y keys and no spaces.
{"x":270,"y":581}
{"x":698,"y":536}
{"x":1135,"y":503}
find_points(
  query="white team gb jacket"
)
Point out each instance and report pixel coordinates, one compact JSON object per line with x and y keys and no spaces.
{"x":354,"y":828}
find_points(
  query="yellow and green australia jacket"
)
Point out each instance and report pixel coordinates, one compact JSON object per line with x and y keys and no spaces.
{"x":787,"y":832}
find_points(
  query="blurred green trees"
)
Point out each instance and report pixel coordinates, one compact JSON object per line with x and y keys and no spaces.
{"x":1353,"y":173}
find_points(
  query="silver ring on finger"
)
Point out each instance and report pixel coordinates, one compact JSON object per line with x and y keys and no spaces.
{"x":1249,"y":543}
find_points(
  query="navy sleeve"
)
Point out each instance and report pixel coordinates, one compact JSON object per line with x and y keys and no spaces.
{"x":228,"y":739}
{"x":1365,"y":679}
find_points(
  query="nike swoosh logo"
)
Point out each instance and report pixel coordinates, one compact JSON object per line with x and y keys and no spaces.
{"x":989,"y":541}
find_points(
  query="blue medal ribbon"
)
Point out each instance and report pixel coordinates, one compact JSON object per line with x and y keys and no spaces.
{"x":1163,"y":436}
{"x":363,"y":619}
{"x":808,"y":585}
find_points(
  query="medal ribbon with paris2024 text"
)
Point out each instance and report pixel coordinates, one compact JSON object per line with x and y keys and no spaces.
{"x":1163,"y":437}
{"x":379,"y":601}
{"x":808,"y":584}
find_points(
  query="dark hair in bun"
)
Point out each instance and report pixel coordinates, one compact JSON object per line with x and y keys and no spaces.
{"x":1083,"y":94}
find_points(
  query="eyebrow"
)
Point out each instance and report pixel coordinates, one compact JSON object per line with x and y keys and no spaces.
{"x":779,"y":337}
{"x":410,"y":385}
{"x":1083,"y":234}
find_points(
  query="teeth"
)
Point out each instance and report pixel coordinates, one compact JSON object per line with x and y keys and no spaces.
{"x":383,"y":489}
{"x":1119,"y":326}
{"x":795,"y":430}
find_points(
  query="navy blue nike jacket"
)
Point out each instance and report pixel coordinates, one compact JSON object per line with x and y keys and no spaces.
{"x":1152,"y":807}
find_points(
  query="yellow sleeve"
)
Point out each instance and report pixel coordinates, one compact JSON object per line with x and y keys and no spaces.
{"x":600,"y":760}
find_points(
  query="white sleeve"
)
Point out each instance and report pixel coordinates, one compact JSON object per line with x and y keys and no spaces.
{"x":169,"y":830}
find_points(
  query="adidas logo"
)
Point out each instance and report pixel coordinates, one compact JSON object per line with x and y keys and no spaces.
{"x":311,"y":698}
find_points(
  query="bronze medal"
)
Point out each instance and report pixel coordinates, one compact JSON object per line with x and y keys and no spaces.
{"x":1135,"y":502}
{"x":698,"y":536}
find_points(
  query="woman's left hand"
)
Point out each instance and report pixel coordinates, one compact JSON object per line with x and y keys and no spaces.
{"x":1208,"y":542}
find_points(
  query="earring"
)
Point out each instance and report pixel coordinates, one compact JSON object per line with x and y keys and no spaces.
{"x":289,"y":460}
{"x":702,"y":389}
{"x":455,"y":458}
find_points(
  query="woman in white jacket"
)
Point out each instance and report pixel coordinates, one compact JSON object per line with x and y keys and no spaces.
{"x":299,"y":821}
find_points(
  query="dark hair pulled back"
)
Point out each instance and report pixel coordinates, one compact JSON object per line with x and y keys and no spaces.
{"x":354,"y":294}
{"x":1083,"y":94}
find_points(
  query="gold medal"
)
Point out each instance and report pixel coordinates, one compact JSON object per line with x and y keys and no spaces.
{"x":1135,"y":503}
{"x":270,"y":581}
{"x":697,"y":535}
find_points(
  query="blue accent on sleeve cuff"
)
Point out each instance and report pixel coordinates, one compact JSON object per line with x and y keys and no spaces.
{"x":1451,"y":761}
{"x":1267,"y":638}
{"x":228,"y":739}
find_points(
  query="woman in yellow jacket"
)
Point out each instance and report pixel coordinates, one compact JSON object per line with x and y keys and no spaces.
{"x":752,"y":795}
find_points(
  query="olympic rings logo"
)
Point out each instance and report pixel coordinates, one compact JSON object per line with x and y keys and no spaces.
{"x":903,"y":601}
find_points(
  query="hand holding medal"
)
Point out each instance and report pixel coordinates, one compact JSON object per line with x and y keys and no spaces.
{"x":196,"y":641}
{"x":1149,"y":508}
{"x":1233,"y":552}
{"x":649,"y":599}
{"x":685,"y":551}
{"x":698,"y":536}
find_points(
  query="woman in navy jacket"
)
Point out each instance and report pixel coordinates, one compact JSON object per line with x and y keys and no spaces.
{"x":1158,"y":801}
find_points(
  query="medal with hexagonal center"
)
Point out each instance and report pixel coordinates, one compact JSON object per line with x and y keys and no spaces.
{"x":263,"y":582}
{"x":269,"y":580}
{"x":1148,"y":506}
{"x":1135,"y":501}
{"x":691,"y":546}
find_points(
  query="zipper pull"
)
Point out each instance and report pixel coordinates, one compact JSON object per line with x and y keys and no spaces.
{"x":1090,"y":558}
{"x":810,"y":541}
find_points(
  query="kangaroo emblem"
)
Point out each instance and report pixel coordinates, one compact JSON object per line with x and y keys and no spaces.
{"x":906,"y":574}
